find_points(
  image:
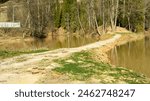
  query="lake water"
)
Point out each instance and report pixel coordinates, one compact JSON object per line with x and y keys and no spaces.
{"x":133,"y":55}
{"x":48,"y":43}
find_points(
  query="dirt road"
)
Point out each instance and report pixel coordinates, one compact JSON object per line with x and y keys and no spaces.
{"x":29,"y":68}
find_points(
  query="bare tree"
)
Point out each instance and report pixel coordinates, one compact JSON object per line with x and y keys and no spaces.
{"x":81,"y":25}
{"x":38,"y":17}
{"x":114,"y":5}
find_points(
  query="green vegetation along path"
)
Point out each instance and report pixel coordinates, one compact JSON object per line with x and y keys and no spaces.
{"x":29,"y":68}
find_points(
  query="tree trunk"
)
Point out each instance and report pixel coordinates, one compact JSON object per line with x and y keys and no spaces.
{"x":79,"y":19}
{"x":129,"y":23}
{"x":13,"y":17}
{"x":112,"y":11}
{"x":116,"y":13}
{"x":103,"y":16}
{"x":97,"y":25}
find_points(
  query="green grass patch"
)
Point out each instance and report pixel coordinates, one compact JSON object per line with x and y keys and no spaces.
{"x":82,"y":67}
{"x":7,"y":54}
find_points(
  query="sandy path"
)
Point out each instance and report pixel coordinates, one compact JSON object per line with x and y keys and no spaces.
{"x":29,"y":68}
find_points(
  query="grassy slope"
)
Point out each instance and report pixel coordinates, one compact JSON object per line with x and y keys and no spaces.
{"x":81,"y":67}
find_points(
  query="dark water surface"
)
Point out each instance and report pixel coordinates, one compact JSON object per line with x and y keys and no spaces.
{"x":134,"y":55}
{"x":49,"y":43}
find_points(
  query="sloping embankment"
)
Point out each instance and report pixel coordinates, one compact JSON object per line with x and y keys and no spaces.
{"x":91,"y":66}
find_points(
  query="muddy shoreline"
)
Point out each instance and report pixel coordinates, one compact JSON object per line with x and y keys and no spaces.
{"x":101,"y":54}
{"x":99,"y":59}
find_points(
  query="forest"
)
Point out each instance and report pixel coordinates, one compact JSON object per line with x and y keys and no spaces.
{"x":84,"y":16}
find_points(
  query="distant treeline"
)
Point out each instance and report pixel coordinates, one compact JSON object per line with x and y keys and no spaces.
{"x":88,"y":16}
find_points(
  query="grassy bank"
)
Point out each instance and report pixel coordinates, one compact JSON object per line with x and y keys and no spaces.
{"x":7,"y":54}
{"x":81,"y":67}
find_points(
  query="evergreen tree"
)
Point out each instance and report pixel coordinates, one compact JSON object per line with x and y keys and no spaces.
{"x":69,"y":15}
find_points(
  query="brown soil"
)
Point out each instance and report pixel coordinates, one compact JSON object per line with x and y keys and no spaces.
{"x":30,"y":68}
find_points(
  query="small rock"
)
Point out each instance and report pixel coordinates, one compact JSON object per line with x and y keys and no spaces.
{"x":43,"y":72}
{"x":35,"y":72}
{"x":54,"y":64}
{"x":70,"y":61}
{"x":29,"y":70}
{"x":35,"y":68}
{"x":41,"y":68}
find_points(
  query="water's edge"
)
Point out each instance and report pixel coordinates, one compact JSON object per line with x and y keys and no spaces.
{"x":133,"y":55}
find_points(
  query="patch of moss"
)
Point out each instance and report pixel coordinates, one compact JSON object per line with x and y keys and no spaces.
{"x":83,"y":68}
